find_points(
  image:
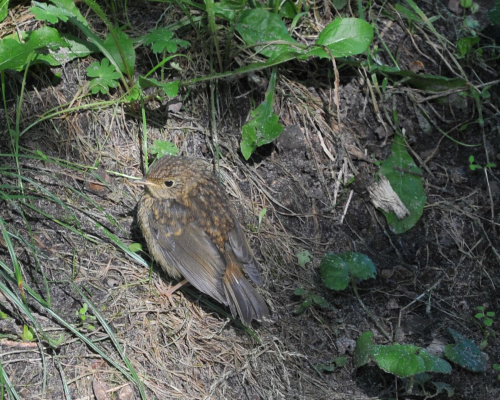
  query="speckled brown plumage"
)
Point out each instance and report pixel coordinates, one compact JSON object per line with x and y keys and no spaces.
{"x":192,"y":232}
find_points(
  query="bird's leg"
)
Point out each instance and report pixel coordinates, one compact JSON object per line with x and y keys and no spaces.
{"x":170,"y":291}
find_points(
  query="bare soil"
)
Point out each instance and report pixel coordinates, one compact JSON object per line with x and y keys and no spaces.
{"x":429,"y":279}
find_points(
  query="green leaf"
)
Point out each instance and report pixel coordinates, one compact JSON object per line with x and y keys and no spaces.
{"x":364,"y":349}
{"x":407,"y":13}
{"x":361,"y":266}
{"x":228,"y":9}
{"x":27,"y":334}
{"x":105,"y":76}
{"x":118,"y":45}
{"x":303,"y":257}
{"x":262,"y":214}
{"x":135,"y":247}
{"x":171,"y":89}
{"x":288,"y":10}
{"x":261,"y":26}
{"x":340,"y":361}
{"x":15,"y":55}
{"x":67,"y":8}
{"x":56,"y":342}
{"x":49,"y":13}
{"x":337,"y":270}
{"x":163,"y":148}
{"x":334,"y":272}
{"x":343,"y":37}
{"x":325,"y":367}
{"x":4,"y":9}
{"x":299,"y":292}
{"x":320,"y":301}
{"x":466,"y":44}
{"x":494,"y":13}
{"x":442,"y":387}
{"x":408,"y":360}
{"x":163,"y":40}
{"x":464,"y":353}
{"x":263,"y":127}
{"x":429,"y":83}
{"x":304,"y":306}
{"x":74,"y":48}
{"x":407,"y":181}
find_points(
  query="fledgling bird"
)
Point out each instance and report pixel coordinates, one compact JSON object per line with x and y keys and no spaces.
{"x":192,"y":232}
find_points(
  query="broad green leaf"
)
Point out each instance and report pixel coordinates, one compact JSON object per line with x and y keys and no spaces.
{"x":163,"y":148}
{"x":334,"y":272}
{"x":338,"y":269}
{"x":263,"y":127}
{"x":119,"y":45}
{"x":105,"y":76}
{"x":260,"y":26}
{"x":228,"y":9}
{"x":75,"y":47}
{"x":465,"y":353}
{"x":364,"y":349}
{"x":343,"y":37}
{"x":163,"y":39}
{"x":407,"y":181}
{"x":287,"y":9}
{"x":14,"y":55}
{"x":408,"y":360}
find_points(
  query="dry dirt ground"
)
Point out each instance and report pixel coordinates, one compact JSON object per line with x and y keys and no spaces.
{"x":429,"y":279}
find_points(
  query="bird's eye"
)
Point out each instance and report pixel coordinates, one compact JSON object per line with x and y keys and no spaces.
{"x":169,"y":183}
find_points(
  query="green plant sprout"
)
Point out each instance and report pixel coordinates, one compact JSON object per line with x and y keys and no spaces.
{"x":332,"y":365}
{"x":303,"y":257}
{"x":82,"y":313}
{"x":338,"y":270}
{"x":496,"y":367}
{"x":27,"y":334}
{"x":308,"y":300}
{"x":473,"y":166}
{"x":262,"y":214}
{"x":486,"y":318}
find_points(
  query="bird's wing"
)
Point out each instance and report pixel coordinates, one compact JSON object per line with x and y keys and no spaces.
{"x":188,"y":249}
{"x":243,"y":253}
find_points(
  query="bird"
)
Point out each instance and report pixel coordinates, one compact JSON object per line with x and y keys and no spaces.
{"x":192,"y":232}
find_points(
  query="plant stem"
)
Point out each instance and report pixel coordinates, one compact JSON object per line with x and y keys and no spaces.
{"x":370,"y":314}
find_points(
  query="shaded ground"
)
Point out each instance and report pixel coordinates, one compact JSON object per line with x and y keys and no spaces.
{"x":429,"y":279}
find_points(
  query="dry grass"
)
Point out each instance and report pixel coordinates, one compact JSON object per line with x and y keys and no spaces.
{"x":438,"y":273}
